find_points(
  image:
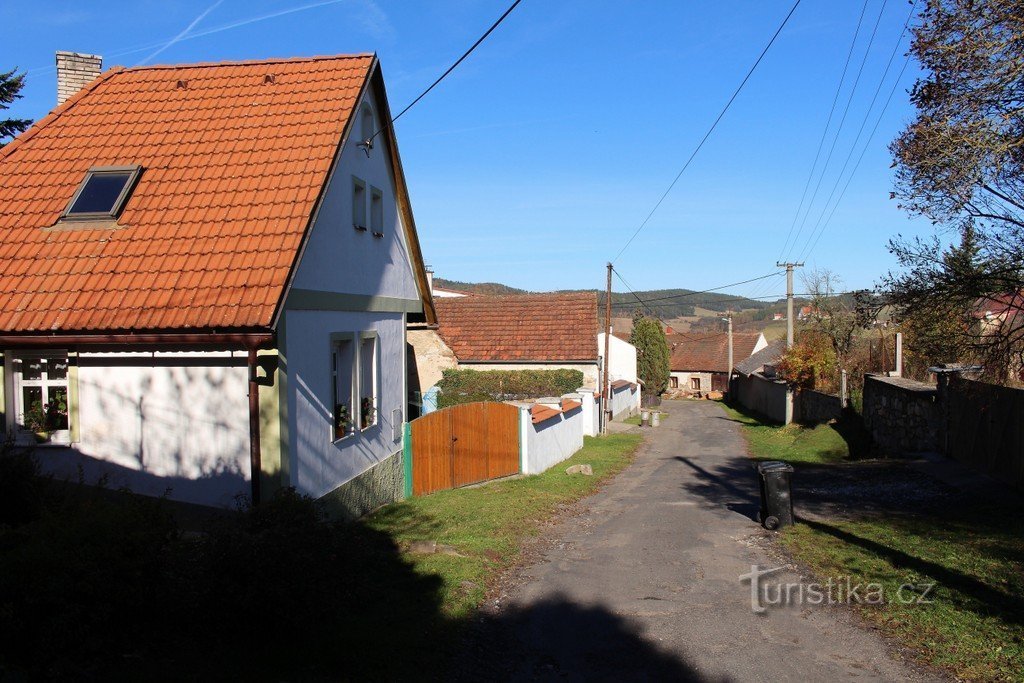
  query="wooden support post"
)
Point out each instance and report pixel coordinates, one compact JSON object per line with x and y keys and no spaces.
{"x":255,"y":457}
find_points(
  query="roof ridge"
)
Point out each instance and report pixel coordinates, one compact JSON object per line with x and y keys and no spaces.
{"x":19,"y":141}
{"x":252,"y":62}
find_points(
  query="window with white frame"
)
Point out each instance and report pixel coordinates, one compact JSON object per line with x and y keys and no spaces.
{"x":40,"y":383}
{"x":367,"y":380}
{"x":376,"y":212}
{"x":695,"y":383}
{"x":358,"y":204}
{"x":343,"y":375}
{"x":355,"y":382}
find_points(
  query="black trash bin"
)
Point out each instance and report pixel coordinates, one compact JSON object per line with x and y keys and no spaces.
{"x":776,"y":503}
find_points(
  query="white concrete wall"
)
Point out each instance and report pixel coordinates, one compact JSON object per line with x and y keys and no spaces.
{"x":589,"y":370}
{"x":551,"y":441}
{"x":621,"y":358}
{"x":339,"y":258}
{"x":624,"y":402}
{"x":316,"y":463}
{"x":591,"y":411}
{"x":159,"y":422}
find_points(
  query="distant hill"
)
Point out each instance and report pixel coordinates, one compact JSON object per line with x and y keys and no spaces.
{"x":666,"y":303}
{"x":488,"y":288}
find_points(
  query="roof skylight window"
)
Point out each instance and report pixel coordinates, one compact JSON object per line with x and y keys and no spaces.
{"x":103,"y":193}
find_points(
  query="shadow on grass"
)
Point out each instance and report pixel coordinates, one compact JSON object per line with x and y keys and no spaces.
{"x":97,"y":586}
{"x":1009,"y":607}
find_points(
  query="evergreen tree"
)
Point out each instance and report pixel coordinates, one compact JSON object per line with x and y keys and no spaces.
{"x":11,"y":84}
{"x":652,"y":354}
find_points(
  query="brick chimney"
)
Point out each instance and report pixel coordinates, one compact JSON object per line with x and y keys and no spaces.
{"x":74,"y":72}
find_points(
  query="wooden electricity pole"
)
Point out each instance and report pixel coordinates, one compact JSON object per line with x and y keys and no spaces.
{"x":606,"y":391}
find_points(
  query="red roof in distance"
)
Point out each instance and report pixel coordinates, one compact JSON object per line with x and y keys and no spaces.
{"x":520,"y":328}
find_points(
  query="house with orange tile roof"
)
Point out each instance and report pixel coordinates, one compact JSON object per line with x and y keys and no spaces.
{"x":521,"y":332}
{"x":206,"y":274}
{"x":700,"y":362}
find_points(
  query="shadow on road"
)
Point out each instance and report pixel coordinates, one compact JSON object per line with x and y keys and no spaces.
{"x":732,"y":485}
{"x":558,"y":639}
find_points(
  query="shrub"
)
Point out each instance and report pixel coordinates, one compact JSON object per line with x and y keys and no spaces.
{"x":469,"y":386}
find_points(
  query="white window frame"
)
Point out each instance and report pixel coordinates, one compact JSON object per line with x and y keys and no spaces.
{"x":357,"y":390}
{"x":16,"y":419}
{"x":374,"y":394}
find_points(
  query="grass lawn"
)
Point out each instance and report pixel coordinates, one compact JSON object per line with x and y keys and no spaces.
{"x":973,"y":550}
{"x":821,"y":444}
{"x":974,"y":627}
{"x":487,"y":525}
{"x":104,"y":585}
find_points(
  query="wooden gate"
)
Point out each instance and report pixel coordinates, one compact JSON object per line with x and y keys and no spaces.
{"x":463,"y":445}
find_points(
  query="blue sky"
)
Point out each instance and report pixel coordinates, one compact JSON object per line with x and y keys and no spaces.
{"x":535,"y":161}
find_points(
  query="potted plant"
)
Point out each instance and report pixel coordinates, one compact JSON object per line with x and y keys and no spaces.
{"x":36,"y":422}
{"x":367,"y":411}
{"x":342,"y":421}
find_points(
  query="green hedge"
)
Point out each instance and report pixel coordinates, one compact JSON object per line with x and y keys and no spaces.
{"x":469,"y":386}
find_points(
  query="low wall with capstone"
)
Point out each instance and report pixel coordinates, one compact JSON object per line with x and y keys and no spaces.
{"x":902,"y":415}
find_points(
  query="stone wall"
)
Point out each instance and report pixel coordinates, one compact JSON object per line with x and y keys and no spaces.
{"x":813,"y":407}
{"x":902,"y":415}
{"x":381,"y":484}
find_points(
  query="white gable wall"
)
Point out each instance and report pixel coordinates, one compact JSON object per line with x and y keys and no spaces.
{"x":347,"y":282}
{"x":339,"y":258}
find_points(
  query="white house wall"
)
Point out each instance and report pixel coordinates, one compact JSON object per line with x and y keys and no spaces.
{"x":159,"y":422}
{"x":316,"y":462}
{"x":685,"y":377}
{"x":621,"y":358}
{"x":339,"y":258}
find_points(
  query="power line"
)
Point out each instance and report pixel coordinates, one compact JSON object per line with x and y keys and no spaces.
{"x":713,"y":289}
{"x":824,"y":133}
{"x":710,"y":130}
{"x":807,"y":252}
{"x":637,"y":297}
{"x":839,"y":129}
{"x":860,"y":131}
{"x":451,"y":68}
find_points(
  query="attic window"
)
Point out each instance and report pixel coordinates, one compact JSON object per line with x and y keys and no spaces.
{"x":103,"y":192}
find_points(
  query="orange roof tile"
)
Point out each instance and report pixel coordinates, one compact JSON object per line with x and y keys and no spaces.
{"x":540,"y":413}
{"x":524,"y":328}
{"x":232,"y":169}
{"x":709,"y":352}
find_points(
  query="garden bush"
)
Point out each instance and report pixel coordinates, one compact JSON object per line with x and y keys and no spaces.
{"x":469,"y":386}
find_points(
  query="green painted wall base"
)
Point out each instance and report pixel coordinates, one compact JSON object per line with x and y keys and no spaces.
{"x":382,"y":484}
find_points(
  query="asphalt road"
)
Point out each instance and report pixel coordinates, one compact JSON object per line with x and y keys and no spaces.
{"x":645,"y":584}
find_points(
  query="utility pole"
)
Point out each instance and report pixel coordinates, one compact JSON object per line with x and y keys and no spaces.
{"x":789,"y":299}
{"x":606,"y":391}
{"x":730,"y":345}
